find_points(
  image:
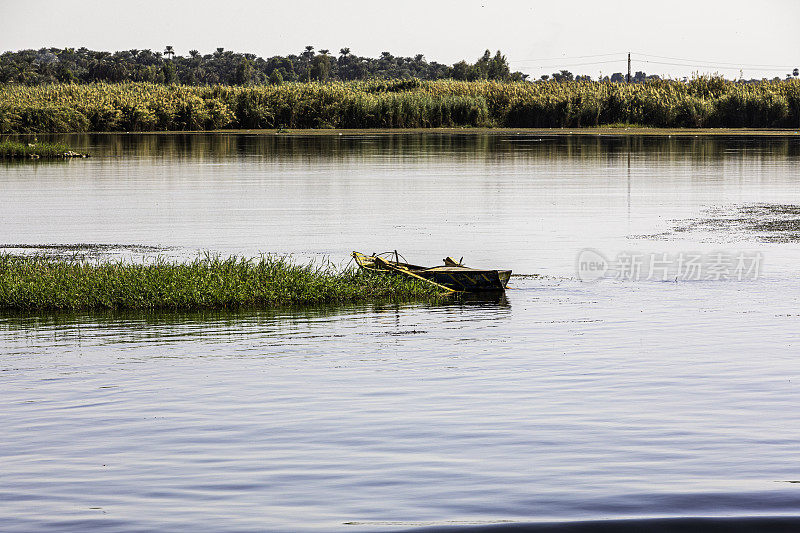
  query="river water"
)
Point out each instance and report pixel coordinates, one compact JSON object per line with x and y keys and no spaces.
{"x":649,"y":393}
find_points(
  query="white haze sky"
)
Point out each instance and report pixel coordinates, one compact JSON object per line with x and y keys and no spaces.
{"x":711,"y":36}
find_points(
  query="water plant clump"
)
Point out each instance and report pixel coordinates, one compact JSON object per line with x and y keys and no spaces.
{"x":774,"y":223}
{"x":35,"y":150}
{"x":47,"y":283}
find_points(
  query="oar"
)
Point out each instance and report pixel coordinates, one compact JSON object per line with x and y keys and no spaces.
{"x":404,"y":270}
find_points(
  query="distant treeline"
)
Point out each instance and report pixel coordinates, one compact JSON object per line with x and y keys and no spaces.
{"x":56,"y":65}
{"x":408,"y":103}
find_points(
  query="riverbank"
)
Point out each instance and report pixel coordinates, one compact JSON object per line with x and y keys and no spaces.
{"x":589,"y":131}
{"x":399,"y":104}
{"x":45,"y":283}
{"x":603,"y":131}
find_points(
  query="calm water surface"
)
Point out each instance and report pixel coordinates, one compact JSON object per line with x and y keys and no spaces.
{"x":563,"y":401}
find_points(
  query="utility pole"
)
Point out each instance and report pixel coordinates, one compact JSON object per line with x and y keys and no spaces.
{"x":628,"y":79}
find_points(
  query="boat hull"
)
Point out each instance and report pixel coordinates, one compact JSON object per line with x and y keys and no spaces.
{"x":453,"y":275}
{"x":469,"y":281}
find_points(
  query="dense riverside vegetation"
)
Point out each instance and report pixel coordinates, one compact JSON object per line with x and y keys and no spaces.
{"x":40,"y":283}
{"x":702,"y":102}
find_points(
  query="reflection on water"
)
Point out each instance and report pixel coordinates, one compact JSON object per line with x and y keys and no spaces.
{"x":273,"y":327}
{"x":179,"y":147}
{"x":562,"y":401}
{"x":137,"y":326}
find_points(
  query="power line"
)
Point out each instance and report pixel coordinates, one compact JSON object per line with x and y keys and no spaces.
{"x":697,"y":65}
{"x":567,"y":57}
{"x":557,"y":65}
{"x":690,"y":63}
{"x":699,"y":61}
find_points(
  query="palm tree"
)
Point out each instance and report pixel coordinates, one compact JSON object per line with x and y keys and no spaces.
{"x":344,"y":52}
{"x":193,"y":53}
{"x":324,"y":51}
{"x":308,"y":54}
{"x":168,"y":51}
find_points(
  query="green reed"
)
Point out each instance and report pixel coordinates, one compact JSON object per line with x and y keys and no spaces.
{"x":46,"y":283}
{"x":702,"y":102}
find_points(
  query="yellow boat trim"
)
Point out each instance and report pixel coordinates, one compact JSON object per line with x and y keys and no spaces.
{"x":361,"y":259}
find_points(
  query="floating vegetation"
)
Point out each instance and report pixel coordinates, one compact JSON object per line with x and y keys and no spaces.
{"x":86,"y":247}
{"x":703,"y":102}
{"x":36,"y":150}
{"x":83,"y":250}
{"x":47,"y":283}
{"x":774,"y":223}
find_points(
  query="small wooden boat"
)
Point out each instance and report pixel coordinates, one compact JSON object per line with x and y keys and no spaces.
{"x":452,"y":275}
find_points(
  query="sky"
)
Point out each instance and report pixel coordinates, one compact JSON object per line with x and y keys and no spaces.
{"x":673,"y":38}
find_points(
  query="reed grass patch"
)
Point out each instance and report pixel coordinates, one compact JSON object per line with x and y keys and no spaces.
{"x":18,"y":150}
{"x":47,"y":283}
